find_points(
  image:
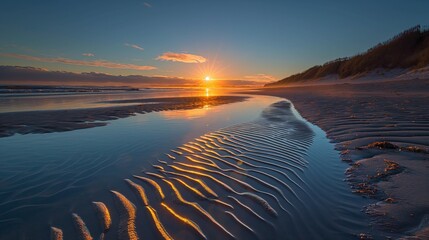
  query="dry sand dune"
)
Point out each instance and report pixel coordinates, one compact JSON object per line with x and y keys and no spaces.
{"x":382,"y":129}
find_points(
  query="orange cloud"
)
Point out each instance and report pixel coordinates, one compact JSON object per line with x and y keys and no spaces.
{"x":134,"y":46}
{"x":181,"y":57}
{"x":94,"y":63}
{"x":260,"y":77}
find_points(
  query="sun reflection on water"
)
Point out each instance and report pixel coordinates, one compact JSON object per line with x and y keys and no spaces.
{"x":186,"y":114}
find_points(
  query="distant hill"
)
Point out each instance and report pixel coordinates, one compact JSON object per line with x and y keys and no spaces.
{"x":407,"y":50}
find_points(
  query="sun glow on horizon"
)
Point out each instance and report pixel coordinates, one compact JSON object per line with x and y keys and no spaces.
{"x":207,"y":78}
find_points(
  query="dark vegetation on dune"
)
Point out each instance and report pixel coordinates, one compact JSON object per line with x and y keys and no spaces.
{"x":407,"y":50}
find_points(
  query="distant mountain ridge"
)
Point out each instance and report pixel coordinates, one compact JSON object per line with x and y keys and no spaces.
{"x":407,"y":50}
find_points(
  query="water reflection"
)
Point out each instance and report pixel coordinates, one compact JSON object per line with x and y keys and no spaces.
{"x":186,"y":114}
{"x":192,"y":113}
{"x":32,"y":102}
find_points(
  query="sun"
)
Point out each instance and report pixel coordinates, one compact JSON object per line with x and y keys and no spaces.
{"x":207,"y":78}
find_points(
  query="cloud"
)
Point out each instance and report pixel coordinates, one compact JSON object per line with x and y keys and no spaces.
{"x":94,"y":63}
{"x":147,"y":4}
{"x":260,"y":77}
{"x":17,"y":75}
{"x":166,"y":76}
{"x":238,"y":83}
{"x":181,"y":57}
{"x":134,"y":46}
{"x":88,"y":54}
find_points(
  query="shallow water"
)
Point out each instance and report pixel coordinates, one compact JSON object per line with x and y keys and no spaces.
{"x":56,"y":101}
{"x":275,"y":177}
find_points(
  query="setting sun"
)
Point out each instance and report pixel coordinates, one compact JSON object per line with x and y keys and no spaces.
{"x":207,"y":78}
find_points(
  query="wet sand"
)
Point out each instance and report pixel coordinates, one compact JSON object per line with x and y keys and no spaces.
{"x":67,"y":120}
{"x":382,"y":130}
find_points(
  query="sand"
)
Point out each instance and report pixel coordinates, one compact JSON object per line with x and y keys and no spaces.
{"x":382,"y":130}
{"x":68,"y":120}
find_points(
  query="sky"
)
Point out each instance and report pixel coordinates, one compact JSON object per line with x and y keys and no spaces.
{"x":256,"y":40}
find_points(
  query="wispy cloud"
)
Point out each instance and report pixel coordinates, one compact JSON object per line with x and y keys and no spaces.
{"x":181,"y":57}
{"x":88,"y":54}
{"x":134,"y":46}
{"x":94,"y":63}
{"x":260,"y":77}
{"x":147,"y":4}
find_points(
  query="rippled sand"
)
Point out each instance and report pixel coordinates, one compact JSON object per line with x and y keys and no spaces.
{"x":382,"y":129}
{"x":229,"y":184}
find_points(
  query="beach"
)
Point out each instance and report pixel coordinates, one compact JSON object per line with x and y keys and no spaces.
{"x":220,"y":167}
{"x":382,"y":130}
{"x":289,"y":120}
{"x":239,"y":170}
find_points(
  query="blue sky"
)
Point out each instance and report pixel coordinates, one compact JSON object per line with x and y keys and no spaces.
{"x":252,"y":39}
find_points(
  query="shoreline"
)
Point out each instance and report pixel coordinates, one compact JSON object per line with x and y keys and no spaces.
{"x":48,"y":121}
{"x":382,"y":131}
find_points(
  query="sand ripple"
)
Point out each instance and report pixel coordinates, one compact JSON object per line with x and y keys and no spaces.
{"x":222,"y":185}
